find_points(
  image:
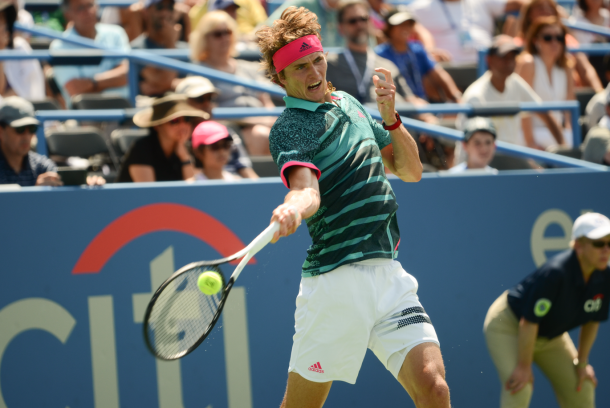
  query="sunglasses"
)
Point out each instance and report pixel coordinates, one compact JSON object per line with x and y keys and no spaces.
{"x":220,"y":33}
{"x":548,"y":38}
{"x":181,"y":119}
{"x":600,"y":244}
{"x":161,"y":7}
{"x":31,"y":128}
{"x":221,"y":145}
{"x":356,"y":20}
{"x":204,"y":98}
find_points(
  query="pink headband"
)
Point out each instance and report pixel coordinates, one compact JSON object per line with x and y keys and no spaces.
{"x":295,"y":50}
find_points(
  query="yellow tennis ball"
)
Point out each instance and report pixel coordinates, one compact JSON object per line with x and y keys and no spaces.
{"x":209,"y":282}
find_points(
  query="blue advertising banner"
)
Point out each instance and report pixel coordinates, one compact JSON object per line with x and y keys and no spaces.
{"x":80,"y":264}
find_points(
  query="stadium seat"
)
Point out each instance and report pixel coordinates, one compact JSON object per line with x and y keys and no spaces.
{"x":84,"y":141}
{"x":100,"y":101}
{"x":463,"y":75}
{"x":46,"y":104}
{"x":264,"y":166}
{"x":575,"y":153}
{"x":583,"y":96}
{"x":503,"y":162}
{"x":124,"y":138}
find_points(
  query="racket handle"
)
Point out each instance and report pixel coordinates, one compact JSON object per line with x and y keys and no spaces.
{"x":256,"y":245}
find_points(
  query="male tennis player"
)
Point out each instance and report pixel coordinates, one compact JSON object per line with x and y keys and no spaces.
{"x":353,"y":295}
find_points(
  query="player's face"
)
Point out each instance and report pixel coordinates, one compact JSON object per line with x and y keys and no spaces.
{"x":592,"y":253}
{"x":306,"y":78}
{"x":480,"y":149}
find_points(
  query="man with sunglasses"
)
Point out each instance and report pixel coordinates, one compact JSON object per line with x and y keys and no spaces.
{"x":530,"y":322}
{"x":19,"y":165}
{"x":161,"y":33}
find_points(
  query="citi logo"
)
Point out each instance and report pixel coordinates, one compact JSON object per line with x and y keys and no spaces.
{"x":304,"y":47}
{"x":316,"y":368}
{"x":594,"y":305}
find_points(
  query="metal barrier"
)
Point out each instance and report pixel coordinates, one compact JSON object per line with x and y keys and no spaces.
{"x":232,"y":113}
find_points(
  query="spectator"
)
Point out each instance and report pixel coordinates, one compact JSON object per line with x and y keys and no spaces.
{"x":23,"y":17}
{"x":413,"y":61}
{"x":202,"y":95}
{"x":590,"y":12}
{"x":544,"y":66}
{"x":458,"y":27}
{"x":19,"y":165}
{"x":212,"y":147}
{"x":326,"y":10}
{"x":161,"y":33}
{"x":18,"y":77}
{"x":596,"y":107}
{"x":587,"y":76}
{"x":163,"y":154}
{"x":480,"y":146}
{"x":213,"y":45}
{"x":501,"y":84}
{"x":596,"y":148}
{"x":247,"y":13}
{"x":111,"y":74}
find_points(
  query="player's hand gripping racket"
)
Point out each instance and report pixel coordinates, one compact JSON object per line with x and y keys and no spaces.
{"x":179,"y":316}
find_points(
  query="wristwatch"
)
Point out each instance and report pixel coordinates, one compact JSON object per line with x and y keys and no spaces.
{"x":395,"y":125}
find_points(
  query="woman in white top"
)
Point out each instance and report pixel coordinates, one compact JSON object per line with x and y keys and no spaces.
{"x":590,"y":12}
{"x":212,"y":143}
{"x":544,"y":66}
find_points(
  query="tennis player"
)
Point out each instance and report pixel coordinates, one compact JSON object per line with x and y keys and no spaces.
{"x":530,"y":322}
{"x":353,"y":294}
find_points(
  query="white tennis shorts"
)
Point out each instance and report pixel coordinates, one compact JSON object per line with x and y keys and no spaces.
{"x":370,"y":304}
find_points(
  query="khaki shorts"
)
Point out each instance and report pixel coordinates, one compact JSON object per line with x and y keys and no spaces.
{"x":553,"y":356}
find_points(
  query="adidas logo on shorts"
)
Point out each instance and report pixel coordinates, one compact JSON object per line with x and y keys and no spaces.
{"x":316,"y":368}
{"x":304,"y":47}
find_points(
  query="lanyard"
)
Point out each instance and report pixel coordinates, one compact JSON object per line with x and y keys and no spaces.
{"x":364,"y":80}
{"x":448,"y":15}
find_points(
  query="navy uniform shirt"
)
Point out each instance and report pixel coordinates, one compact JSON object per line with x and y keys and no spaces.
{"x":557,"y":298}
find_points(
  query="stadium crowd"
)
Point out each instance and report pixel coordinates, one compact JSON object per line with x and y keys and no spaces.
{"x":424,"y":44}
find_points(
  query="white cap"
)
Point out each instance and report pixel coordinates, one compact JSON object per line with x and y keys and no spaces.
{"x":195,"y":86}
{"x":591,"y":225}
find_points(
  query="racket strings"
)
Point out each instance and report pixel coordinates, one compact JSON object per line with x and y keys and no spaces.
{"x":181,"y":315}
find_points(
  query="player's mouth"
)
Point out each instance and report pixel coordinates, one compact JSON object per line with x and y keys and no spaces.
{"x":314,"y":86}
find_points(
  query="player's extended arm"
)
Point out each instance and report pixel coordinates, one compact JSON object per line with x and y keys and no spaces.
{"x":588,"y":333}
{"x":402,"y":155}
{"x":301,"y":202}
{"x":522,"y":374}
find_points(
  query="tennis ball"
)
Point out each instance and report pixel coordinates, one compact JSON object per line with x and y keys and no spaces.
{"x":209,"y":282}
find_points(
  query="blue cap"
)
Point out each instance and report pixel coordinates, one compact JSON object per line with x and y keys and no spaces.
{"x":221,"y":4}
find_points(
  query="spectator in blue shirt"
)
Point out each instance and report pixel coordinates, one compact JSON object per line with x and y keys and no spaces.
{"x":423,"y":75}
{"x":18,"y":165}
{"x":111,"y":74}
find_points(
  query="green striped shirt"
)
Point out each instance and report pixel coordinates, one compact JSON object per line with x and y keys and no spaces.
{"x":357,"y":215}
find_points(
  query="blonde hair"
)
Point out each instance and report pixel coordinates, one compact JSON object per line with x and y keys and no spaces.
{"x":293,"y":24}
{"x":208,"y":23}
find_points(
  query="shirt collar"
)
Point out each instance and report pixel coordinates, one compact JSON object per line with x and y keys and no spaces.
{"x":307,"y":105}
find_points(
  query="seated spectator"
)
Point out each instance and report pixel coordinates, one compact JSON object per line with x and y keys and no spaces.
{"x":18,"y":77}
{"x":586,"y":74}
{"x":213,"y":45}
{"x":161,"y":33}
{"x":212,"y":147}
{"x":501,"y":84}
{"x":590,"y":12}
{"x":458,"y":27}
{"x":544,"y":66}
{"x":413,"y":61}
{"x":247,"y":13}
{"x":19,"y":165}
{"x":480,"y":146}
{"x":163,"y":154}
{"x":596,"y":107}
{"x":111,"y":74}
{"x":326,"y":10}
{"x":596,"y":148}
{"x":201,"y":95}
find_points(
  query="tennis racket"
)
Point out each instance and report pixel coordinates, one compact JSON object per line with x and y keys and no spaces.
{"x":179,"y":316}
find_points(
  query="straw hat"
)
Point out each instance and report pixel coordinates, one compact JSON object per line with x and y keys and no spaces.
{"x":165,"y":109}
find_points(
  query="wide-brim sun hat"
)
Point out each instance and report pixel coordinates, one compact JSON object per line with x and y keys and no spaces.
{"x":166,"y":109}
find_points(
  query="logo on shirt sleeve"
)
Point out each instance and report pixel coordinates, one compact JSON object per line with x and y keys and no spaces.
{"x":542,"y":307}
{"x":593,"y":305}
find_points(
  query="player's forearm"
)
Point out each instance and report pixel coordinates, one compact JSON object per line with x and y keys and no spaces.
{"x":305,"y":200}
{"x":588,"y":334}
{"x":406,"y":163}
{"x":528,"y":332}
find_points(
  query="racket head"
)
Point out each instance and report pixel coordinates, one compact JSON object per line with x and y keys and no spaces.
{"x":179,"y":316}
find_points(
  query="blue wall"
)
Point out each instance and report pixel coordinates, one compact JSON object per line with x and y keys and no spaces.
{"x":73,"y":339}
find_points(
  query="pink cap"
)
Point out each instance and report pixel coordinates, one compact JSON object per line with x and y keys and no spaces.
{"x":209,"y":132}
{"x":295,"y":50}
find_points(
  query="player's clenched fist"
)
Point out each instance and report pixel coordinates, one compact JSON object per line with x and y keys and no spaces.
{"x":386,"y":95}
